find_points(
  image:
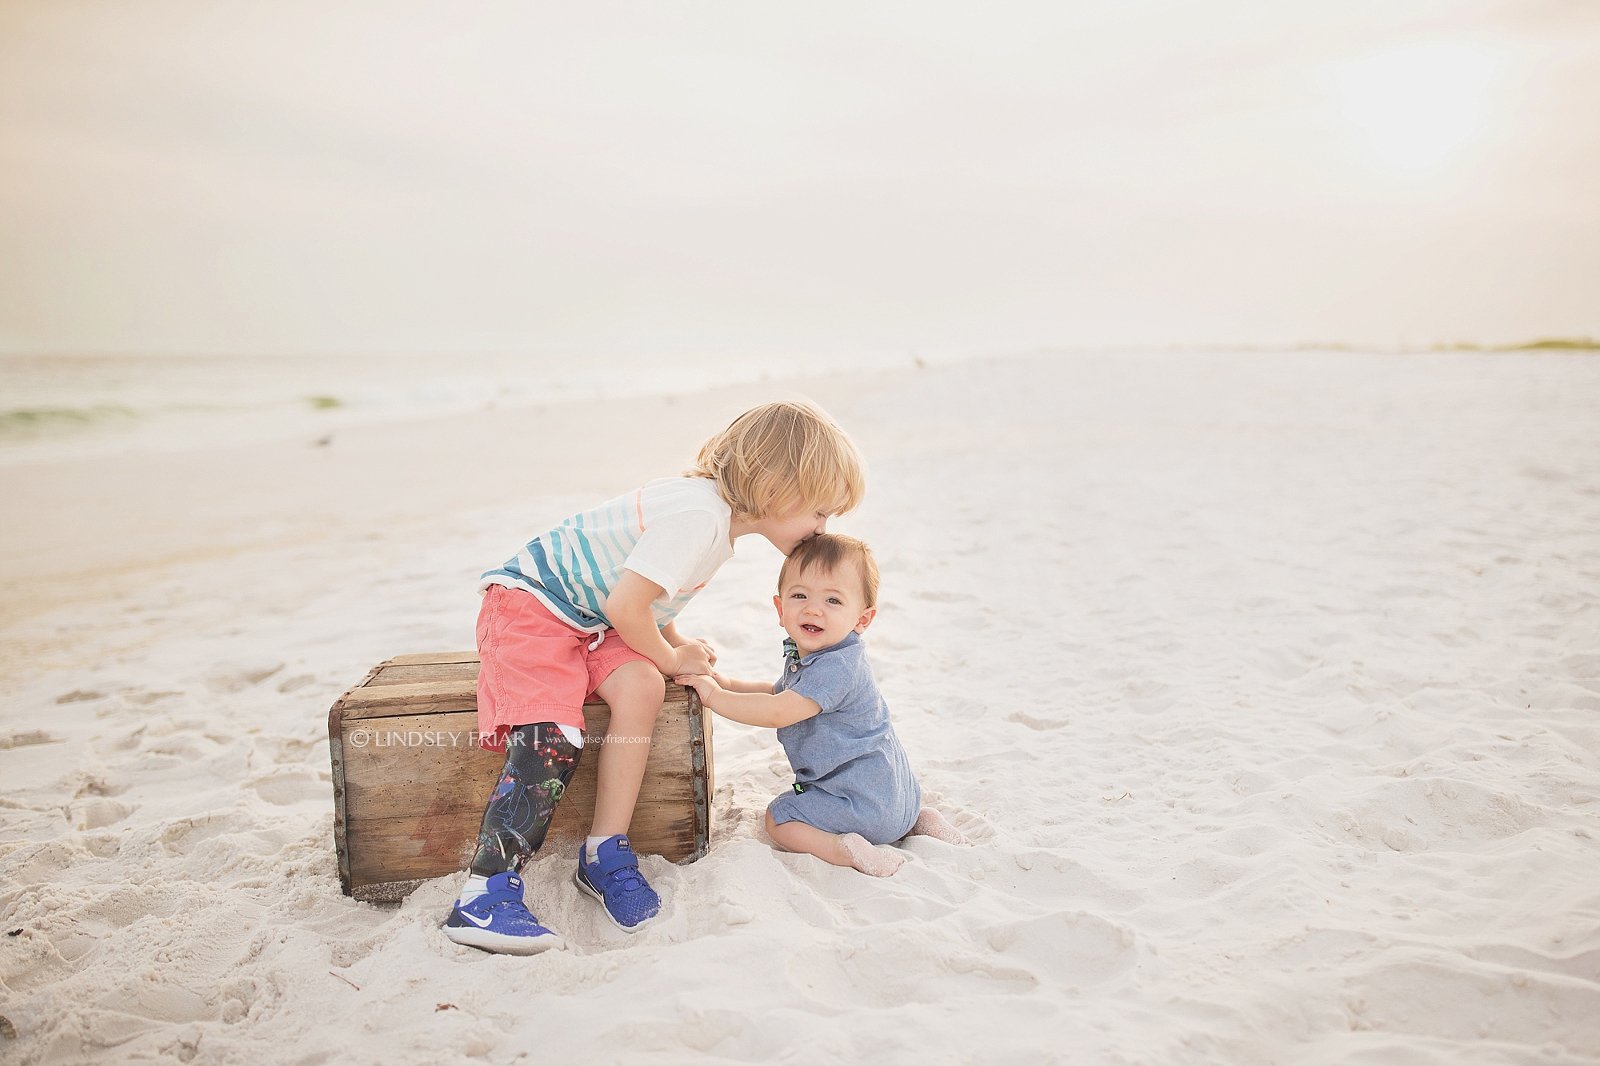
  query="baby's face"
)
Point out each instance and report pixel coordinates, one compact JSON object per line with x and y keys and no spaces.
{"x":819,"y":608}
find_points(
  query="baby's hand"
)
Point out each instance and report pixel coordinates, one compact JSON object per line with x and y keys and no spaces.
{"x":693,"y":658}
{"x":703,"y":684}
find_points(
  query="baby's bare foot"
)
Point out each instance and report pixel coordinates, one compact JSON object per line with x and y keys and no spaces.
{"x":930,"y":823}
{"x":868,"y":859}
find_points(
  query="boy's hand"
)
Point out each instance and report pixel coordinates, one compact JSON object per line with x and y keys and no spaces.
{"x":693,"y":658}
{"x":670,"y":634}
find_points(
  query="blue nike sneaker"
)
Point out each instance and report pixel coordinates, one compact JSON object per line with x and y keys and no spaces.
{"x":614,"y":879}
{"x":497,"y":921}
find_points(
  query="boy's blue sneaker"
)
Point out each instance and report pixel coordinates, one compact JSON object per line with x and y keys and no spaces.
{"x":614,"y":879}
{"x":497,"y":921}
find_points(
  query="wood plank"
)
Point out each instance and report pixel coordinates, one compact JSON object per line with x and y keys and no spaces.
{"x":391,"y":674}
{"x":341,"y":842}
{"x":391,"y":763}
{"x":388,"y":764}
{"x":398,"y":848}
{"x":705,"y":737}
{"x":376,"y":701}
{"x":435,"y":657}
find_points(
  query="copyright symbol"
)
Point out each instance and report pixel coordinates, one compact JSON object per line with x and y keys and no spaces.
{"x":359,"y":738}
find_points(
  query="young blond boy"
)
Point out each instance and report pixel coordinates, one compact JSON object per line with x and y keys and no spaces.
{"x":853,"y":786}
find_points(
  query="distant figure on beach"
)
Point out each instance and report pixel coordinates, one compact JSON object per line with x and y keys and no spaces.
{"x":587,"y":609}
{"x":853,"y":787}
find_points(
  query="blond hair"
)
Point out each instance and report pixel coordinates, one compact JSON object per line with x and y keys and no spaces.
{"x":827,"y":552}
{"x":782,"y":458}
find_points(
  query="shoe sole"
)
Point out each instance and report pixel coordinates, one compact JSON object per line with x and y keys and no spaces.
{"x":583,"y":884}
{"x":503,"y":943}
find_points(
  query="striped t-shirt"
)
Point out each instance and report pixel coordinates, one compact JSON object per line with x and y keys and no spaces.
{"x":673,"y":531}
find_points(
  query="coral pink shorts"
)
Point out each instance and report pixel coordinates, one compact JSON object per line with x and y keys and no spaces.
{"x":536,"y":668}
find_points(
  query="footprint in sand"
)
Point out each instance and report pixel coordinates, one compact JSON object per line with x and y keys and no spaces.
{"x":239,"y":680}
{"x":97,"y":812}
{"x":1074,"y":948}
{"x":282,"y":790}
{"x":1023,"y":718}
{"x":283,"y":749}
{"x":295,"y":684}
{"x":897,"y":967}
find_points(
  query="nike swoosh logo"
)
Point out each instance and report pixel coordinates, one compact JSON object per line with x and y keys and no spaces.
{"x":481,"y":923}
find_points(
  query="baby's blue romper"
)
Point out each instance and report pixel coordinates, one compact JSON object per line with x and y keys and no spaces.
{"x":851,"y":774}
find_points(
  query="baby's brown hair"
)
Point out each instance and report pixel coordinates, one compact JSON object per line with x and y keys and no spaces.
{"x":826,"y":552}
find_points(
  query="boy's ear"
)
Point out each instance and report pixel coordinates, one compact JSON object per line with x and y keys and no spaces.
{"x":777,"y":601}
{"x":866,"y":619}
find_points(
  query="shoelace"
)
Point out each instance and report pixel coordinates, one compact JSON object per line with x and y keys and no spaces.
{"x":627,"y":879}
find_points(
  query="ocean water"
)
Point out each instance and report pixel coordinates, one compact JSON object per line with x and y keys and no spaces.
{"x":84,"y":407}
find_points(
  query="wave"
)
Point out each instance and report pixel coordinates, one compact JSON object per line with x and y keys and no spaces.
{"x":21,"y":423}
{"x":87,"y":407}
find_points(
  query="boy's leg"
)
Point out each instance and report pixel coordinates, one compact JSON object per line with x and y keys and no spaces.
{"x":490,"y":913}
{"x":634,"y":692}
{"x":539,"y":762}
{"x":610,"y":872}
{"x":840,"y":849}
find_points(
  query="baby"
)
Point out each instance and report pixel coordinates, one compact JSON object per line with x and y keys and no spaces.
{"x":853,"y":787}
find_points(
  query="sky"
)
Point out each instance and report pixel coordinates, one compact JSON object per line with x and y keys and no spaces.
{"x":783,"y":178}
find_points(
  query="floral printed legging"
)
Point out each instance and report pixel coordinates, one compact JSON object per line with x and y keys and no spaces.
{"x":539,"y":761}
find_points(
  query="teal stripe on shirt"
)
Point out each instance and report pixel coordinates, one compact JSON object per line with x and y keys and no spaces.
{"x":588,"y":553}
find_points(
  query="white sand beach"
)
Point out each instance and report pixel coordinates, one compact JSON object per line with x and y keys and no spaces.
{"x":1268,"y":685}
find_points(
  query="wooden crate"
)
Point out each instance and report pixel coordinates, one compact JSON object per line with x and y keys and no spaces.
{"x":410,"y":782}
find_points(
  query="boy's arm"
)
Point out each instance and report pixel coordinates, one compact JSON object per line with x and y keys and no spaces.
{"x":628,"y":608}
{"x":759,"y":707}
{"x":670,"y":634}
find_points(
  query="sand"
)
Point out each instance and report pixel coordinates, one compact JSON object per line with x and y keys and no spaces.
{"x":1267,"y":685}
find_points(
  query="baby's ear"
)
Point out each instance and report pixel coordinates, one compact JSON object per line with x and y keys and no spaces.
{"x":777,"y":601}
{"x":866,"y":619}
